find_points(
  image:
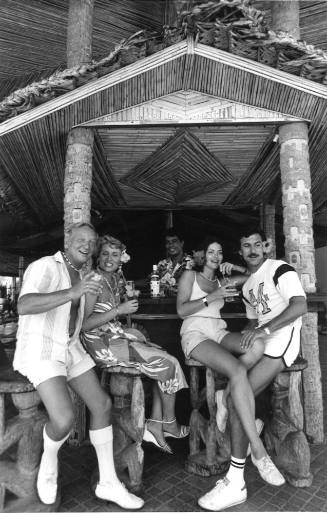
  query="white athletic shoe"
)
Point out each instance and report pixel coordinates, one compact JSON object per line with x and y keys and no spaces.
{"x":222,"y":412}
{"x":46,"y":484}
{"x":224,"y":495}
{"x":259,"y":425}
{"x":268,"y":470}
{"x":118,"y":494}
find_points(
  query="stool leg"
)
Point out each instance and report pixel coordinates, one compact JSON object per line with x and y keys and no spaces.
{"x":284,"y":435}
{"x":128,"y":424}
{"x":194,"y":440}
{"x":211,"y":443}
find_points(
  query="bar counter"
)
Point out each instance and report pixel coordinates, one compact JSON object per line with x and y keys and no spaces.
{"x":159,"y":317}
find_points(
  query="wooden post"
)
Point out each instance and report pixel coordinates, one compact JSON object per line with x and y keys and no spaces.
{"x":79,"y":32}
{"x":267,"y":222}
{"x":21,"y":267}
{"x":285,"y":17}
{"x":299,"y":251}
{"x":78,"y":176}
{"x":299,"y":245}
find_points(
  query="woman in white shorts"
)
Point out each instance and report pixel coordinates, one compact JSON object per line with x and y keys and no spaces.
{"x":205,"y":338}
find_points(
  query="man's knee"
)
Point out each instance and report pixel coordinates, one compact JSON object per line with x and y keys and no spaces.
{"x":102,"y":405}
{"x":62,"y":424}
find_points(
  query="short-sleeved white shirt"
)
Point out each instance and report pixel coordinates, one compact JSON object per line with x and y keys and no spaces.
{"x":45,"y":336}
{"x":267,"y":291}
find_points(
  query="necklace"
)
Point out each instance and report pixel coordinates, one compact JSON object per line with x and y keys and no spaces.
{"x":113,"y":291}
{"x":209,"y":279}
{"x":69,"y":262}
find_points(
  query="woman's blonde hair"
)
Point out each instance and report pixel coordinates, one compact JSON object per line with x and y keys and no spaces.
{"x":112,"y":241}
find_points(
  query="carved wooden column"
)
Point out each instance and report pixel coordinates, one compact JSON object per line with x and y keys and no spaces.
{"x":299,"y":250}
{"x":78,"y":176}
{"x":299,"y":245}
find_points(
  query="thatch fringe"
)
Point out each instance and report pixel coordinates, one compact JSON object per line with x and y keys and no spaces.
{"x":231,"y":25}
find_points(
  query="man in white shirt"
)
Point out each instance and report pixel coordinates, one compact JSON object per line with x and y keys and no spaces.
{"x":275,"y":302}
{"x":50,"y":354}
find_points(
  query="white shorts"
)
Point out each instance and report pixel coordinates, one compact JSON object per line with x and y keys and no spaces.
{"x":284,"y":343}
{"x":77,"y":362}
{"x":196,"y":329}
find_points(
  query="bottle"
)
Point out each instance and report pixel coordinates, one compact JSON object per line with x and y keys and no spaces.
{"x":155,"y":282}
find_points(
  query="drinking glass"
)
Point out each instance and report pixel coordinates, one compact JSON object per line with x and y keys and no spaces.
{"x":231,"y":285}
{"x":130,"y":288}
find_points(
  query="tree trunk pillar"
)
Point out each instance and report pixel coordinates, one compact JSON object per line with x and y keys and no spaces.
{"x":79,"y":32}
{"x":299,"y":251}
{"x":285,"y":17}
{"x":78,"y":176}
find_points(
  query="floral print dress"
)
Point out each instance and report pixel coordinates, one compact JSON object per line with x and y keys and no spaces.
{"x":112,"y":344}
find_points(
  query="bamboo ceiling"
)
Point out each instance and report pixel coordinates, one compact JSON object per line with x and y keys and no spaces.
{"x":141,"y":167}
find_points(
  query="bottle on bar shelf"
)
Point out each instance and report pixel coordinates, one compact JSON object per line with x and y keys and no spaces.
{"x":155,"y":282}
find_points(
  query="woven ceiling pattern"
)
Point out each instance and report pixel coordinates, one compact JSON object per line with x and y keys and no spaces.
{"x":234,"y":26}
{"x":181,"y":169}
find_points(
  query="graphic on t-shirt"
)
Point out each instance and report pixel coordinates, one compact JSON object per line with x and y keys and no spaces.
{"x":261,"y":300}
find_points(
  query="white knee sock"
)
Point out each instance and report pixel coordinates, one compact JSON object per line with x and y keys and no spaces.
{"x":101,"y":439}
{"x":235,"y":472}
{"x":50,"y":453}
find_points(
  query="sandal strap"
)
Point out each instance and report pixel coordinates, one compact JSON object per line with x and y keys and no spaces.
{"x":154,"y":420}
{"x":169,"y":421}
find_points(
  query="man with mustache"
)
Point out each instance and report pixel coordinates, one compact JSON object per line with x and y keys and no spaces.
{"x":275,"y":302}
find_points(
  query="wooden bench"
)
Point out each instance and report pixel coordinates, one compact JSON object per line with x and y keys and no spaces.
{"x":21,"y":443}
{"x":126,"y":388}
{"x":283,"y":434}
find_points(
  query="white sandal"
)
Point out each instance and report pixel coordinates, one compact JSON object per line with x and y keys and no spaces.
{"x":184,"y":431}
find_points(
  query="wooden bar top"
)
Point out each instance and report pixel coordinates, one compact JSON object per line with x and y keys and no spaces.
{"x":161,"y":308}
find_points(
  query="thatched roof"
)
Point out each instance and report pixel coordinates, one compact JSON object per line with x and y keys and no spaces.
{"x":234,"y":26}
{"x":262,"y":70}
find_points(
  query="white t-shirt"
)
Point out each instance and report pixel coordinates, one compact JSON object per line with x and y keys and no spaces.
{"x":267,"y":291}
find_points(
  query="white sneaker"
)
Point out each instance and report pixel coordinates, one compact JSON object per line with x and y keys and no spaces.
{"x":222,"y":412}
{"x":259,"y":425}
{"x":224,"y":495}
{"x":268,"y":471}
{"x":47,"y":484}
{"x":118,"y":494}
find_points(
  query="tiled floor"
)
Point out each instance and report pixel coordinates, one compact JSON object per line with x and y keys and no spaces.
{"x":168,"y":487}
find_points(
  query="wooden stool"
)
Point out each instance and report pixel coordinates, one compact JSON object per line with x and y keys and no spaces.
{"x":214,"y":458}
{"x":284,"y":436}
{"x":18,"y":475}
{"x":126,"y":389}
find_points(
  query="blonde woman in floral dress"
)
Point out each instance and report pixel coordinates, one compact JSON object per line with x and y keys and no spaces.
{"x":110,"y":343}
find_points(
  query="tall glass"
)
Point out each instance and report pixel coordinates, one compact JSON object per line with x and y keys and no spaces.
{"x":230,"y":284}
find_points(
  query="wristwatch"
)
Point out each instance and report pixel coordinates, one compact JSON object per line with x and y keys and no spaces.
{"x":205,"y":302}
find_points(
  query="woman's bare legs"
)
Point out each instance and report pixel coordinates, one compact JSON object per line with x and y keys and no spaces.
{"x":163,"y":409}
{"x":249,"y":358}
{"x":156,"y":415}
{"x":221,"y":360}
